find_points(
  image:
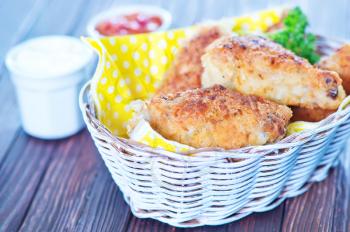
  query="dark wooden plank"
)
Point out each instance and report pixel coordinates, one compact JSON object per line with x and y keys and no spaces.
{"x":13,"y":180}
{"x":149,"y":225}
{"x":77,"y":193}
{"x":267,"y":221}
{"x":312,"y":211}
{"x":105,"y":208}
{"x":184,"y":12}
{"x":15,"y":158}
{"x":8,"y":115}
{"x":92,"y":7}
{"x":341,"y":217}
{"x":20,"y":175}
{"x":59,"y":17}
{"x":19,"y":19}
{"x":15,"y":31}
{"x":63,"y":190}
{"x":214,"y":10}
{"x":330,"y":18}
{"x":20,"y":166}
{"x":66,"y":204}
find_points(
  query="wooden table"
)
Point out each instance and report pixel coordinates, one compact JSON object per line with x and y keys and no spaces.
{"x":64,"y":186}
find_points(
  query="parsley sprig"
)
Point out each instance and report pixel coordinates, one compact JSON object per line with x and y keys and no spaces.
{"x":294,"y":37}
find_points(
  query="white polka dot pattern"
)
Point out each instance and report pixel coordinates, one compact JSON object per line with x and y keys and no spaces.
{"x":132,"y":67}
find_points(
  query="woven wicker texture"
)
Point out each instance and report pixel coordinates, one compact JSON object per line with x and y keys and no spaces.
{"x":213,"y":186}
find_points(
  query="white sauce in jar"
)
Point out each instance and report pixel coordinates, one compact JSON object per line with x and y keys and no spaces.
{"x":50,"y":56}
{"x":48,"y":73}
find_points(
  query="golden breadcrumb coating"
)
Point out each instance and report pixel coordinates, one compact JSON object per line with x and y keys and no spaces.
{"x":186,"y":71}
{"x":310,"y":115}
{"x":340,"y":63}
{"x":218,"y":117}
{"x":258,"y":66}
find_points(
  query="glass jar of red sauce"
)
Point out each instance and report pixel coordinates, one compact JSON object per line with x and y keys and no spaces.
{"x":129,"y":20}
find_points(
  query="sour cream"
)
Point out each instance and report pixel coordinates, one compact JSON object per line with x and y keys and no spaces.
{"x":48,"y":73}
{"x":48,"y":57}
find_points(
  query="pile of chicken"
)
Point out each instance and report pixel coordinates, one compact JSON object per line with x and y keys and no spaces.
{"x":234,"y":91}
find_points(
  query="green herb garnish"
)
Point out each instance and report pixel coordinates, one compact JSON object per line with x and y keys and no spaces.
{"x":294,"y":37}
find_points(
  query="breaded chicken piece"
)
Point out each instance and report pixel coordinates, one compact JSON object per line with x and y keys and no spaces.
{"x":186,"y":71}
{"x":218,"y":117}
{"x":258,"y":66}
{"x":310,"y":115}
{"x":340,"y":63}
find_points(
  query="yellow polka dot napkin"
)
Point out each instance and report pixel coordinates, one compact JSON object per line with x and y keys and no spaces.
{"x":129,"y":68}
{"x":132,"y":67}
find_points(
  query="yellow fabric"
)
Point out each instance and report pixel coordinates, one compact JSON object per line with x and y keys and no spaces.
{"x":129,"y":68}
{"x":132,"y":67}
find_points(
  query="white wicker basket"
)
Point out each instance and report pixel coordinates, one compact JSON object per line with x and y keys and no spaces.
{"x":215,"y":186}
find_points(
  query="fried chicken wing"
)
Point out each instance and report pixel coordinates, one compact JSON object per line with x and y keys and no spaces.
{"x":258,"y":66}
{"x":218,"y":117}
{"x":340,"y":63}
{"x":186,"y":71}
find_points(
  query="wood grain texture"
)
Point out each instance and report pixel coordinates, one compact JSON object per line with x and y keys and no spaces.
{"x":341,"y":215}
{"x":313,"y":210}
{"x":268,"y":221}
{"x":9,"y":111}
{"x":64,"y":185}
{"x":105,"y":208}
{"x":149,"y":225}
{"x":8,"y":114}
{"x":60,"y":199}
{"x":17,"y":19}
{"x":21,"y":175}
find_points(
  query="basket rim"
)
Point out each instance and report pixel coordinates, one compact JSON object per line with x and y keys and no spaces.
{"x":291,"y":141}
